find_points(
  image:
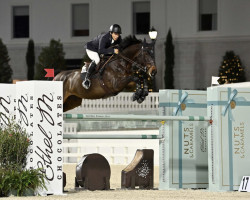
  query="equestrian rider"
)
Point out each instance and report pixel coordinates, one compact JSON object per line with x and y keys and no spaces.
{"x":101,"y":45}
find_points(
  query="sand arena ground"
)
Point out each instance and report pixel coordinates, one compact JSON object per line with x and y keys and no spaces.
{"x":117,"y":194}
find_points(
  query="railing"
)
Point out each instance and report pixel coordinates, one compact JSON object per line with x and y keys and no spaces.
{"x":75,"y":151}
{"x":122,"y":103}
{"x":105,"y":117}
{"x":116,"y":152}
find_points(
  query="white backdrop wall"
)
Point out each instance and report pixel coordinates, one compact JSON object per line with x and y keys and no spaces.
{"x":197,"y":54}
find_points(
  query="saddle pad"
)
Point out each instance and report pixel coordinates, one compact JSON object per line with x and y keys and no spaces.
{"x":98,"y":67}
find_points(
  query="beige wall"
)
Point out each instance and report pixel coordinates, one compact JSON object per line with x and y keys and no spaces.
{"x":197,"y":54}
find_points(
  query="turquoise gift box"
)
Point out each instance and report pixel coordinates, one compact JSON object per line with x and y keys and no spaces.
{"x":183,"y":149}
{"x":228,"y":138}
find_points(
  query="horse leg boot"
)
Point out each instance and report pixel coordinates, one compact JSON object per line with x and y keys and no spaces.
{"x":86,"y":83}
{"x":138,"y":91}
{"x":144,"y":92}
{"x":145,"y":88}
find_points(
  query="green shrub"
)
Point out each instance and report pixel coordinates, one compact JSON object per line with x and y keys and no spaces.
{"x":19,"y":182}
{"x":5,"y":69}
{"x":30,"y":60}
{"x":50,"y":57}
{"x":14,"y":143}
{"x":169,"y":62}
{"x":14,"y":178}
{"x":231,"y":69}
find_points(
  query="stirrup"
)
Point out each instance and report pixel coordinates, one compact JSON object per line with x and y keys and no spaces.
{"x":86,"y":83}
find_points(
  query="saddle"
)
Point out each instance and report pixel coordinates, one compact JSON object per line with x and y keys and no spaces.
{"x":98,"y":69}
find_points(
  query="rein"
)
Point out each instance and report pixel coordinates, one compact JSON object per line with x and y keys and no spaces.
{"x":138,"y":66}
{"x":102,"y":68}
{"x":134,"y":64}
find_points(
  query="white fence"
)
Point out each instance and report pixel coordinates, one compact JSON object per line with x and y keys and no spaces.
{"x":115,"y":151}
{"x":122,"y":103}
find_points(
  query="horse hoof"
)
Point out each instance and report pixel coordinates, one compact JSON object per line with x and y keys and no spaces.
{"x":140,"y":100}
{"x":145,"y":93}
{"x":139,"y":92}
{"x":134,"y":97}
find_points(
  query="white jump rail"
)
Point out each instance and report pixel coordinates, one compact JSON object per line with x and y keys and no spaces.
{"x":103,"y":117}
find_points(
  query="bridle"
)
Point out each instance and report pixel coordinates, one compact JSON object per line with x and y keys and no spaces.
{"x":136,"y":65}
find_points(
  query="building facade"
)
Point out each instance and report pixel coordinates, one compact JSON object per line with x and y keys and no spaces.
{"x":203,"y":30}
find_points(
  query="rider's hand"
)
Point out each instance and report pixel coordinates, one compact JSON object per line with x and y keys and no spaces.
{"x":116,"y":51}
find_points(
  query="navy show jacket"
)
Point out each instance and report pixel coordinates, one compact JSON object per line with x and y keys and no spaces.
{"x":101,"y":44}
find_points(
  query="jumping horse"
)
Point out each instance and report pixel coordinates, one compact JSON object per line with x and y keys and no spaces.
{"x":113,"y":77}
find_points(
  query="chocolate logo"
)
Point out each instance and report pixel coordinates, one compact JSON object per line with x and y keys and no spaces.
{"x":46,"y":121}
{"x":4,"y":111}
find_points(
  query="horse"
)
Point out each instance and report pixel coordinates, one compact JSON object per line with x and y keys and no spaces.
{"x":115,"y":76}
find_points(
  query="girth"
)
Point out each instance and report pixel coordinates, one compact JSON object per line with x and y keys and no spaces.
{"x":108,"y":90}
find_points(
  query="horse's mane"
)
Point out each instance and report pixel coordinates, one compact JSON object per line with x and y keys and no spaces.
{"x":128,"y":41}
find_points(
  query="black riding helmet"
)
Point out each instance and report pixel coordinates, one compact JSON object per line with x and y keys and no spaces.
{"x":115,"y":28}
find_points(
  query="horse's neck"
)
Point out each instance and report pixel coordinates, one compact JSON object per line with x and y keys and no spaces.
{"x":121,"y":71}
{"x":131,"y":51}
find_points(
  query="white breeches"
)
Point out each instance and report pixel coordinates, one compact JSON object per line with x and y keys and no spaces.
{"x":93,"y":56}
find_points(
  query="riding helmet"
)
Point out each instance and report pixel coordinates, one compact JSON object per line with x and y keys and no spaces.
{"x":115,"y":28}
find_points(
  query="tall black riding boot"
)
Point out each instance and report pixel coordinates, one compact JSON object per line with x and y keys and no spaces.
{"x":86,"y":83}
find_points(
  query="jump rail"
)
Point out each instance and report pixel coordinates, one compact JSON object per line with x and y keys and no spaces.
{"x":95,"y":136}
{"x":104,"y":117}
{"x":155,"y":118}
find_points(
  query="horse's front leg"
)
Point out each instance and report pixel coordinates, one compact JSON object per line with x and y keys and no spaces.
{"x":145,"y":87}
{"x":141,"y":89}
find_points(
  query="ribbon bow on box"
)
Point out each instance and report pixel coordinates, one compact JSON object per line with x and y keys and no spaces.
{"x":228,"y":106}
{"x":183,"y":100}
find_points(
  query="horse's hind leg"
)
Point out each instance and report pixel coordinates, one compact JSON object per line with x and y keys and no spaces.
{"x":71,"y":103}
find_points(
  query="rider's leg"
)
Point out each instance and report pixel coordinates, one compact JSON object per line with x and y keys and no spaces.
{"x":94,"y":56}
{"x":86,"y":83}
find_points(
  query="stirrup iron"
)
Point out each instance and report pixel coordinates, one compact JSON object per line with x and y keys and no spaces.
{"x":86,"y":84}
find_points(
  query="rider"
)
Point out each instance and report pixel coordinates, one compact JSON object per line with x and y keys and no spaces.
{"x":101,"y":45}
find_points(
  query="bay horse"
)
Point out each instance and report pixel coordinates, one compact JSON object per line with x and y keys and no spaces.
{"x":117,"y":74}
